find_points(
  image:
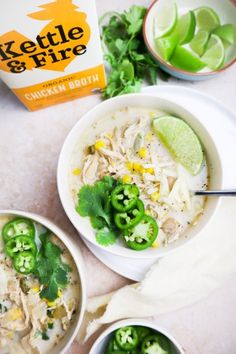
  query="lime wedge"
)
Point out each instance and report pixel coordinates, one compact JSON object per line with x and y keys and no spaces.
{"x":215,"y":53}
{"x":185,"y":27}
{"x":165,"y":46}
{"x":207,"y":19}
{"x":199,"y":42}
{"x":181,"y":141}
{"x":165,"y":18}
{"x":226,"y":33}
{"x":186,"y":60}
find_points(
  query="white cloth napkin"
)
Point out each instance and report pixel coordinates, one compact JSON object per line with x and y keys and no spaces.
{"x":185,"y":276}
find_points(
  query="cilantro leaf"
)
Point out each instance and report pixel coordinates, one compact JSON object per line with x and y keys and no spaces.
{"x":50,"y":270}
{"x":97,"y":222}
{"x":52,"y":251}
{"x":135,"y":17}
{"x":94,"y":201}
{"x":44,"y":269}
{"x":50,"y":292}
{"x":129,"y":60}
{"x":61,"y":276}
{"x":106,"y":237}
{"x":128,"y":69}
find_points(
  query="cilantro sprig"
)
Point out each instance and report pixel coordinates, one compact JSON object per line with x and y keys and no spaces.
{"x":50,"y":269}
{"x":130,"y":62}
{"x":95,"y":201}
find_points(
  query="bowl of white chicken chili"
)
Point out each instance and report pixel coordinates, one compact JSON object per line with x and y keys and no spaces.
{"x":127,"y":172}
{"x":42,"y":292}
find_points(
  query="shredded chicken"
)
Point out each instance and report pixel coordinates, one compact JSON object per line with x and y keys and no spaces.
{"x":133,"y":149}
{"x":171,"y":182}
{"x":27,"y":346}
{"x":170,"y":226}
{"x":90,"y":168}
{"x":16,"y":347}
{"x":24,"y":314}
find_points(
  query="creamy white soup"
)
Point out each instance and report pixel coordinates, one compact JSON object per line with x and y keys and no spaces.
{"x":123,"y":145}
{"x":30,"y":323}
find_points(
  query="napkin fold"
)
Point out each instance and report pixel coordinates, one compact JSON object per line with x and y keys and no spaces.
{"x":179,"y":279}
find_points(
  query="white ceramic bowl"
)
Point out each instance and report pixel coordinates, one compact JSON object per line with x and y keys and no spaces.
{"x":100,"y":344}
{"x":67,"y":340}
{"x":226,"y":10}
{"x":103,"y":109}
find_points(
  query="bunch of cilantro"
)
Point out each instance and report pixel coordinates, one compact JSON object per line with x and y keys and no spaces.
{"x":95,"y":201}
{"x":130,"y":62}
{"x":50,"y":270}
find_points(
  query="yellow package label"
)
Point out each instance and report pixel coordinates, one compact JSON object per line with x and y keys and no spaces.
{"x":53,"y":53}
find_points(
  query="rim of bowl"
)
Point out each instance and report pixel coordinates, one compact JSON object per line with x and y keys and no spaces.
{"x":169,"y":66}
{"x":60,"y":185}
{"x":134,"y":322}
{"x":77,"y":258}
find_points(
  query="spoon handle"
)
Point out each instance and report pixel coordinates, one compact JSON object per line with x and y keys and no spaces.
{"x":226,"y":192}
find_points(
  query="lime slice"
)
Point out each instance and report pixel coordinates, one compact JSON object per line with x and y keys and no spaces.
{"x":215,"y":53}
{"x":207,"y":19}
{"x":165,"y":46}
{"x":226,"y":33}
{"x":186,"y":60}
{"x":165,"y":18}
{"x":186,"y":27}
{"x":199,"y":42}
{"x":181,"y":141}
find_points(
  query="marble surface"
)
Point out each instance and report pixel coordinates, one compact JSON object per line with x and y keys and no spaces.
{"x":29,"y":148}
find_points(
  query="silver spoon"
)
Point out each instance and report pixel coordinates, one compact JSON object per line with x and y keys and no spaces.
{"x":223,"y":193}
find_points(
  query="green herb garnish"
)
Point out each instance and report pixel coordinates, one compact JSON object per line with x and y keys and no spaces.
{"x":50,"y":269}
{"x":95,"y":201}
{"x":129,"y":60}
{"x":50,"y":325}
{"x":3,"y":309}
{"x":45,"y":336}
{"x":106,"y":236}
{"x":50,"y":313}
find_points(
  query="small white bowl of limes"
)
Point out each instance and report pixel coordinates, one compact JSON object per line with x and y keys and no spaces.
{"x":192,"y":40}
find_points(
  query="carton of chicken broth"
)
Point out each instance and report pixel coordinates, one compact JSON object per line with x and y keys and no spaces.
{"x":50,"y":50}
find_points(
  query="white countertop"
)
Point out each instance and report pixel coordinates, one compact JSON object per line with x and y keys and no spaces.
{"x":29,"y":147}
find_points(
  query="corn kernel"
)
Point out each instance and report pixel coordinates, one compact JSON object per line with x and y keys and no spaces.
{"x":50,"y":303}
{"x":147,"y":212}
{"x":149,"y":136}
{"x":136,"y":166}
{"x":99,"y":144}
{"x":155,"y":244}
{"x":142,"y":152}
{"x":152,"y":114}
{"x":76,"y":171}
{"x":155,"y":196}
{"x":126,"y":179}
{"x":129,"y":165}
{"x":59,"y":293}
{"x":36,"y":289}
{"x":15,"y":314}
{"x":142,"y":169}
{"x":150,"y":170}
{"x":10,"y":335}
